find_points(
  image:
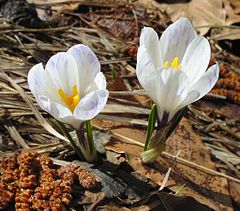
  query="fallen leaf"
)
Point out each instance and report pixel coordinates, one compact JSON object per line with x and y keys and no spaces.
{"x":211,"y":190}
{"x":235,"y":5}
{"x":225,"y":33}
{"x":204,"y":14}
{"x":57,"y":7}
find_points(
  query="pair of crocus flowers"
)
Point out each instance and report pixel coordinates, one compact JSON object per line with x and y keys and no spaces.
{"x":171,"y":69}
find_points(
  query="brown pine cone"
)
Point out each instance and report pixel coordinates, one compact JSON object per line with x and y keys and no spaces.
{"x":67,"y":173}
{"x":8,"y":182}
{"x":224,"y":71}
{"x":228,"y":83}
{"x":45,"y":162}
{"x":27,"y":162}
{"x":10,"y":175}
{"x":39,"y":203}
{"x":230,"y":94}
{"x":9,"y":163}
{"x":40,"y":199}
{"x":7,"y":193}
{"x":86,"y":179}
{"x":23,"y":199}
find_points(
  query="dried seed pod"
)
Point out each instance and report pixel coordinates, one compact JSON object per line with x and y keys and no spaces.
{"x":27,"y":181}
{"x":32,"y":181}
{"x":40,"y":198}
{"x":86,"y":179}
{"x":23,"y":199}
{"x":67,"y":174}
{"x":9,"y":163}
{"x":45,"y":162}
{"x":66,"y":198}
{"x":223,"y":71}
{"x":230,"y":94}
{"x":228,"y":83}
{"x":8,"y":180}
{"x":7,"y":193}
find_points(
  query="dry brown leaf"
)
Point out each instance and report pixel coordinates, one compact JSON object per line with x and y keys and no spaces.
{"x":59,"y":6}
{"x":231,"y":16}
{"x":225,"y":34}
{"x":235,"y":5}
{"x":211,"y":190}
{"x":235,"y":191}
{"x":117,"y":84}
{"x":202,"y":13}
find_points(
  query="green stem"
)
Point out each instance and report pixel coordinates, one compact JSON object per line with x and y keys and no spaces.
{"x":151,"y":126}
{"x":86,"y":143}
{"x":176,"y":121}
{"x":75,"y":147}
{"x":90,"y":135}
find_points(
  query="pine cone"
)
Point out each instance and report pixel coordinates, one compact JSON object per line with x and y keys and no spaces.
{"x":7,"y":193}
{"x":8,"y":181}
{"x":27,"y":181}
{"x":23,"y":199}
{"x":86,"y":179}
{"x":230,"y":94}
{"x":67,"y":174}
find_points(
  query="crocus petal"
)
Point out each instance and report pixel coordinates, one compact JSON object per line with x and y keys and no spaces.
{"x":206,"y":82}
{"x":91,"y":105}
{"x":88,"y":65}
{"x":175,"y":39}
{"x":58,"y":111}
{"x":98,"y":83}
{"x":150,"y":40}
{"x":170,"y":90}
{"x":40,"y":83}
{"x":146,"y":72}
{"x":202,"y":87}
{"x":62,"y":69}
{"x":196,"y":59}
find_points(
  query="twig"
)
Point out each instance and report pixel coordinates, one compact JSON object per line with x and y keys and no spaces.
{"x":16,"y":136}
{"x":35,"y":30}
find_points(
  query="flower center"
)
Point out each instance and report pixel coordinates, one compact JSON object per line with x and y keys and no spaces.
{"x":174,"y":64}
{"x":70,"y":101}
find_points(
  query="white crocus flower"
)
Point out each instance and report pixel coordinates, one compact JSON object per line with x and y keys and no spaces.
{"x":172,"y":69}
{"x":71,"y":87}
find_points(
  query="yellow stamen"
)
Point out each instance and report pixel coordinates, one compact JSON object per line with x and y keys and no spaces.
{"x":70,"y":101}
{"x":166,"y":64}
{"x":174,"y":64}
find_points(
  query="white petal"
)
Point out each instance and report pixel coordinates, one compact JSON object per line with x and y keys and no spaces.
{"x":146,"y":72}
{"x":171,"y":90}
{"x":206,"y":82}
{"x":41,"y":84}
{"x":176,"y":38}
{"x":98,"y":84}
{"x":191,"y":97}
{"x":88,"y":65}
{"x":91,"y":105}
{"x":58,"y":111}
{"x":196,"y":59}
{"x":100,"y":81}
{"x":202,"y":87}
{"x":150,"y":40}
{"x":63,"y":71}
